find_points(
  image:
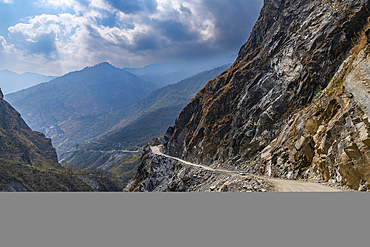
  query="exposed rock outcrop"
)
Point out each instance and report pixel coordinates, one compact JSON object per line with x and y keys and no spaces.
{"x":295,"y":48}
{"x":158,"y":173}
{"x":295,"y":102}
{"x":328,"y":140}
{"x":14,"y":187}
{"x":28,"y":161}
{"x":19,"y":143}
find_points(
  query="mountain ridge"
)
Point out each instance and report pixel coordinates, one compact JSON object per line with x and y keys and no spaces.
{"x":28,"y":161}
{"x":282,"y":109}
{"x":72,"y":108}
{"x":164,"y":74}
{"x":11,"y":82}
{"x":151,"y":117}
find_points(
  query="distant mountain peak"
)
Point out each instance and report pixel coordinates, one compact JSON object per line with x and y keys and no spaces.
{"x":81,"y":97}
{"x":104,"y":64}
{"x":99,"y":67}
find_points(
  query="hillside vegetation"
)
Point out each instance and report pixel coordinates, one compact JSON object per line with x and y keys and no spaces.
{"x":152,"y":116}
{"x":15,"y":176}
{"x":73,"y":108}
{"x":28,"y":161}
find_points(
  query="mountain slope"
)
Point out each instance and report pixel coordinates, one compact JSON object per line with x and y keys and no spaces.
{"x":278,"y":69}
{"x":152,"y":117}
{"x":71,"y":108}
{"x":19,"y":143}
{"x":28,"y":162}
{"x":11,"y":82}
{"x":176,"y":94}
{"x":164,"y":74}
{"x":262,"y":115}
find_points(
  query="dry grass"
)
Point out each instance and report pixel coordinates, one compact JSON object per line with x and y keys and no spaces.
{"x":361,"y":41}
{"x":361,"y":44}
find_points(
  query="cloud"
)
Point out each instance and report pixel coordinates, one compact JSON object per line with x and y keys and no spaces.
{"x":4,"y":47}
{"x":44,"y":45}
{"x":148,"y":41}
{"x":184,"y":9}
{"x":38,"y":37}
{"x":131,"y":33}
{"x":2,"y":43}
{"x":6,"y":1}
{"x":176,"y":31}
{"x":134,"y":6}
{"x":8,"y":59}
{"x":240,"y":15}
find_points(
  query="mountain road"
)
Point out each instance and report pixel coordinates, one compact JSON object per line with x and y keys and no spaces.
{"x":280,"y":185}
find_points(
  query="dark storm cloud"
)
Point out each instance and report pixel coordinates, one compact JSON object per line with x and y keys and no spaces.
{"x":132,"y":6}
{"x":149,"y":41}
{"x":176,"y":31}
{"x":233,"y":20}
{"x":175,"y":36}
{"x":76,"y":33}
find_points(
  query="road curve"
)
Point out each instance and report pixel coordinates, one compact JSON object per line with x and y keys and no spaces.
{"x":281,"y":185}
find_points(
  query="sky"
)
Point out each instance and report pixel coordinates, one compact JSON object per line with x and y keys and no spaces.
{"x":53,"y":37}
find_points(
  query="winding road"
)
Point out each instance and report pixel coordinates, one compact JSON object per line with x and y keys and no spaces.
{"x":281,"y":185}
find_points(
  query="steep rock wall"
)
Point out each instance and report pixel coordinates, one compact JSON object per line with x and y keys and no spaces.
{"x":295,"y":47}
{"x":294,"y":105}
{"x":329,"y":140}
{"x":19,"y":143}
{"x":294,"y":51}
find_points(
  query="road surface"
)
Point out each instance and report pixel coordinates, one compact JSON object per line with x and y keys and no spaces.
{"x":281,"y":185}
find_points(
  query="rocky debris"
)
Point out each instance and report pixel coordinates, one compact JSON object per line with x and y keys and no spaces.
{"x":155,"y":142}
{"x":160,"y":173}
{"x":91,"y":182}
{"x":14,"y":186}
{"x":239,"y":184}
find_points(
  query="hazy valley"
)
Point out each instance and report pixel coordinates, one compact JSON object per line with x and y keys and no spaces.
{"x":102,"y":112}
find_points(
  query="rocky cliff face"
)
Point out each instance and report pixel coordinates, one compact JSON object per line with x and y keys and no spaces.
{"x":19,"y":143}
{"x":28,"y":161}
{"x":158,"y":173}
{"x":295,"y":102}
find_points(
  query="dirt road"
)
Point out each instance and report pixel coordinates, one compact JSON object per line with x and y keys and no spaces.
{"x":281,"y":185}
